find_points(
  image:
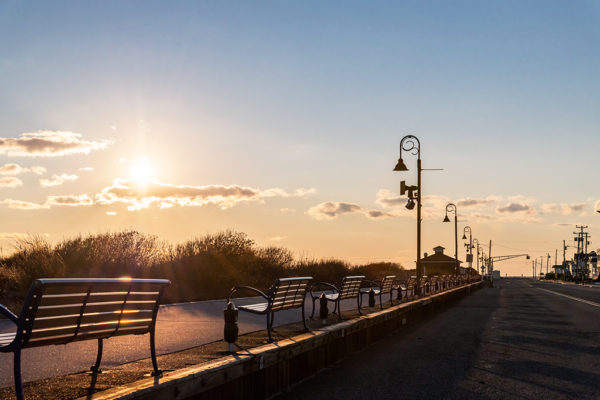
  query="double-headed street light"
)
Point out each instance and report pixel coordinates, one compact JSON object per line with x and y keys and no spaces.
{"x":451,"y":207}
{"x":410,"y":143}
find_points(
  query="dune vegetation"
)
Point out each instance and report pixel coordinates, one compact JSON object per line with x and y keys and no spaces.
{"x":199,"y":269}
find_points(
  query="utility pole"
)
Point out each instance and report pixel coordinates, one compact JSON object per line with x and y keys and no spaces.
{"x":581,"y":257}
{"x":490,"y":265}
{"x":547,"y":262}
{"x":555,"y":256}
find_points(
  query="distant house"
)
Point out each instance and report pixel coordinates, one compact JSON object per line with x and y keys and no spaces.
{"x":440,"y":264}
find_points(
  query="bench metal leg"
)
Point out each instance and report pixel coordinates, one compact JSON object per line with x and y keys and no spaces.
{"x":156,"y":372}
{"x":269,"y":327}
{"x":359,"y":303}
{"x":96,"y":367}
{"x":338,"y":306}
{"x":17,"y":375}
{"x":381,"y":300}
{"x":312,"y":314}
{"x":304,"y":319}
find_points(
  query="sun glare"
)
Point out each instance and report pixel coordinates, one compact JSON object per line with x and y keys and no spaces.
{"x":142,"y":171}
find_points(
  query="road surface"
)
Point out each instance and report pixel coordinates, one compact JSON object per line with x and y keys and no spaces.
{"x":519,"y":340}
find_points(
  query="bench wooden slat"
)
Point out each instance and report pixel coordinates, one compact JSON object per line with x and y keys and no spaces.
{"x":57,"y":300}
{"x":259,"y":307}
{"x":7,"y":338}
{"x":68,"y":338}
{"x":91,"y":308}
{"x":107,"y":328}
{"x":89,"y":318}
{"x":101,"y":288}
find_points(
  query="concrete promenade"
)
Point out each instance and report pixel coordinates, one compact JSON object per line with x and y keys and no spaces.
{"x":519,"y":340}
{"x":179,"y":326}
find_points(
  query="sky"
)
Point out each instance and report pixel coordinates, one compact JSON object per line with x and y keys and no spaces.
{"x":282,"y":119}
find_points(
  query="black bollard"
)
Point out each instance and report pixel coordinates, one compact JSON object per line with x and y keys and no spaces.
{"x":230,"y":331}
{"x":323,"y":311}
{"x":372,"y":300}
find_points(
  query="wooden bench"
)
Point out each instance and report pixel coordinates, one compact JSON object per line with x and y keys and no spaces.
{"x":61,"y":311}
{"x":380,"y":288}
{"x":285,"y":294}
{"x":349,"y":288}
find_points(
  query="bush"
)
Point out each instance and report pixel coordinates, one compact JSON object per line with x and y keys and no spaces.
{"x":199,"y":269}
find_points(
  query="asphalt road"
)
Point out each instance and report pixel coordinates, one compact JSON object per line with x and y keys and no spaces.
{"x":519,"y":340}
{"x":178,"y":327}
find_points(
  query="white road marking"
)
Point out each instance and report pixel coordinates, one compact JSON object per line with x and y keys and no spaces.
{"x":591,"y":303}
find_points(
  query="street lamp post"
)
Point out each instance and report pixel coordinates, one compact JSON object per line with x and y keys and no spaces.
{"x":452,"y":208}
{"x":477,"y":241}
{"x":470,"y":245}
{"x":410,"y":143}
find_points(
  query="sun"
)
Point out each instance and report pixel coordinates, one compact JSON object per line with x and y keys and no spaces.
{"x":141,"y":171}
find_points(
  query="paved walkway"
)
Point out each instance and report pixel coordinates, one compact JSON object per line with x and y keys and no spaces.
{"x":519,"y":340}
{"x":179,"y":326}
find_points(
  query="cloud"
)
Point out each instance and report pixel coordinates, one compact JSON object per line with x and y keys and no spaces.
{"x":140,"y":196}
{"x":111,"y":213}
{"x":10,"y":181}
{"x":568,"y":209}
{"x":16,"y":169}
{"x":597,"y":205}
{"x":287,"y":210}
{"x":514,"y":208}
{"x":86,"y":168}
{"x":470,"y":202}
{"x":332,"y":209}
{"x":70,"y":200}
{"x":48,"y":144}
{"x":386,"y":198}
{"x":550,"y":207}
{"x":57,"y":180}
{"x":23,"y":205}
{"x":66,"y":200}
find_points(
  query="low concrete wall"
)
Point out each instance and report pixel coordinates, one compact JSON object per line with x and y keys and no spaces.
{"x":266,"y":370}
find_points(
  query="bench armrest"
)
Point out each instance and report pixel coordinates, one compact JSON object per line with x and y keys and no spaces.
{"x":322,"y":284}
{"x":248,"y":288}
{"x":6,"y":312}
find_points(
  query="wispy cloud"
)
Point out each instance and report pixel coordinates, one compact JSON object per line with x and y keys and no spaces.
{"x":514,"y":208}
{"x":70,"y":200}
{"x":48,"y":144}
{"x":471,"y":202}
{"x":86,"y":168}
{"x":568,"y":209}
{"x":16,"y":169}
{"x":23,"y":205}
{"x":550,"y":208}
{"x":332,"y":209}
{"x":10,"y":181}
{"x":138,"y":196}
{"x":57,"y":180}
{"x":66,"y":200}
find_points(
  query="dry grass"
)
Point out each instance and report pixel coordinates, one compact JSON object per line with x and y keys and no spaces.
{"x":199,"y":269}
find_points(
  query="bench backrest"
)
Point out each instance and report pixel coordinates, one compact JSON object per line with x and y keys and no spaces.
{"x":387,"y":283}
{"x":288,"y":293}
{"x":350,"y":286}
{"x":59,"y":311}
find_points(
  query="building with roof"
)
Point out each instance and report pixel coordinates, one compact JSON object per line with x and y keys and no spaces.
{"x":440,"y":264}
